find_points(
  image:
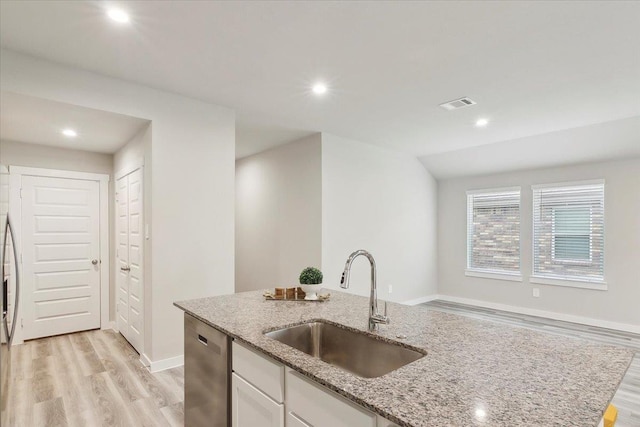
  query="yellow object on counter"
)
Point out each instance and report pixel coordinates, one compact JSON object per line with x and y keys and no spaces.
{"x":610,"y":416}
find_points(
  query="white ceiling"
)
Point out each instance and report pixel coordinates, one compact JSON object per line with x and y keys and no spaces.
{"x":617,"y":139}
{"x":533,"y":67}
{"x":40,"y":121}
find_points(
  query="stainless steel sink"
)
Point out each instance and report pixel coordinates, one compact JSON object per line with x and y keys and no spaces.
{"x":351,"y":350}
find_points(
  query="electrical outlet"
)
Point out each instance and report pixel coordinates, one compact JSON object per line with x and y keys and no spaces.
{"x":390,"y":289}
{"x":536,"y":292}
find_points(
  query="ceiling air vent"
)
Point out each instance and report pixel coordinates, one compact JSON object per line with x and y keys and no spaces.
{"x":457,"y":103}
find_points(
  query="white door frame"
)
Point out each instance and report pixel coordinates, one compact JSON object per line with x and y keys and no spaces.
{"x":136,"y":164}
{"x":15,"y":182}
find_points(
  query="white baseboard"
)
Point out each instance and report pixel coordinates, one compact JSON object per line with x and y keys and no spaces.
{"x":421,"y":300}
{"x":625,"y":327}
{"x":144,"y":359}
{"x":111,"y":325}
{"x":161,"y":365}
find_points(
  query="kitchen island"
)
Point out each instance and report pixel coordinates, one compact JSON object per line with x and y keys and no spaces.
{"x":474,"y":373}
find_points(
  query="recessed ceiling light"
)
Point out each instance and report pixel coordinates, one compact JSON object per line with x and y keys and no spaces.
{"x":482,"y":123}
{"x":480,"y":413}
{"x":319,"y":89}
{"x":70,"y":133}
{"x":118,"y":15}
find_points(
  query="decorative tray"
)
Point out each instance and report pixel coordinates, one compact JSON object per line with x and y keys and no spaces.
{"x":268,"y":295}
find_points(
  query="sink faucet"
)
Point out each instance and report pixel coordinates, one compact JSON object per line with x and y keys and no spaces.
{"x":375,"y":318}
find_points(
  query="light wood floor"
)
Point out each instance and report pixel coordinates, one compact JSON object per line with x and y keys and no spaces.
{"x":626,"y":399}
{"x":89,"y":379}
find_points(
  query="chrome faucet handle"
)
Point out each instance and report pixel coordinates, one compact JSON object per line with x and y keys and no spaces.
{"x":381,"y":318}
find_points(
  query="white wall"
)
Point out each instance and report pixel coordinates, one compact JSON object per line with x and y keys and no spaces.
{"x":136,"y":152}
{"x":192,"y":182}
{"x":622,"y":244}
{"x":385,"y":202}
{"x":46,"y":157}
{"x":278,"y":214}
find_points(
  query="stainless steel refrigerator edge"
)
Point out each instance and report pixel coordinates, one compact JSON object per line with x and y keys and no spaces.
{"x":207,"y":367}
{"x":9,"y":294}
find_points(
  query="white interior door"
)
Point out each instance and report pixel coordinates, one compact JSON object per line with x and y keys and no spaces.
{"x":60,"y":255}
{"x":129,"y":199}
{"x":122,"y":254}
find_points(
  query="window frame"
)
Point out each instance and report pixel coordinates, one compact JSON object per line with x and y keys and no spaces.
{"x":568,"y":281}
{"x":487,"y":273}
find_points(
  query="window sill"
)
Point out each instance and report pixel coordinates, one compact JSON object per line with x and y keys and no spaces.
{"x":584,"y":263}
{"x":493,"y":275}
{"x":571,"y":283}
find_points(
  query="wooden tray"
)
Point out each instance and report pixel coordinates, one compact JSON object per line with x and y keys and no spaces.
{"x":273,"y":297}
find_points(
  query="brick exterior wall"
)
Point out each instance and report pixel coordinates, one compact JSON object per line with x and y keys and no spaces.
{"x":496,"y":238}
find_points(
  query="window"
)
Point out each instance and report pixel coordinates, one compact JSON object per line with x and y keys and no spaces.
{"x":571,"y":234}
{"x":493,"y":233}
{"x":568,"y":232}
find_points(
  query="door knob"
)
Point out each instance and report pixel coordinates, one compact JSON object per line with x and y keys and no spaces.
{"x":125,"y":268}
{"x":94,"y":261}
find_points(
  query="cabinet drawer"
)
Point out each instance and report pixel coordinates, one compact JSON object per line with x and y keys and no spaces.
{"x":383,"y":422}
{"x":250,"y":407}
{"x":294,"y":421}
{"x":264,"y":373}
{"x":320,"y":407}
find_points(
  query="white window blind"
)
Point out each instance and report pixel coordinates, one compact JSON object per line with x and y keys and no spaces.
{"x":568,"y":231}
{"x":493,"y":231}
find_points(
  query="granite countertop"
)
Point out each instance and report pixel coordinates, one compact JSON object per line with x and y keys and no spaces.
{"x":475,"y":373}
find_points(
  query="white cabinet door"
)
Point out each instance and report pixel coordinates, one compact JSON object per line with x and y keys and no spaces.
{"x":60,"y":255}
{"x":130,"y":243}
{"x":251,"y":408}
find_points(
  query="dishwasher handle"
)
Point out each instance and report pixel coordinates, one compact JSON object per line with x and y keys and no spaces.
{"x":203,"y":340}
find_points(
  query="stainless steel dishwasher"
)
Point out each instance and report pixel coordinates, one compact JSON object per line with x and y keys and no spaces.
{"x":207,"y":367}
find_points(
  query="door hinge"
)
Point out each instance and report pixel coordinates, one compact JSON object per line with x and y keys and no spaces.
{"x":21,"y":322}
{"x":21,"y":193}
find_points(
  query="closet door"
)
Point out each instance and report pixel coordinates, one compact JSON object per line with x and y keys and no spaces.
{"x":130,"y":243}
{"x":122,"y":255}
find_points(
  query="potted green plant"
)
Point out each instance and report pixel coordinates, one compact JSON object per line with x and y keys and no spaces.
{"x":310,"y":281}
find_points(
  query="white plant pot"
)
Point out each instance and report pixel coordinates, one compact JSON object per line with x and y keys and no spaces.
{"x":311,"y":291}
